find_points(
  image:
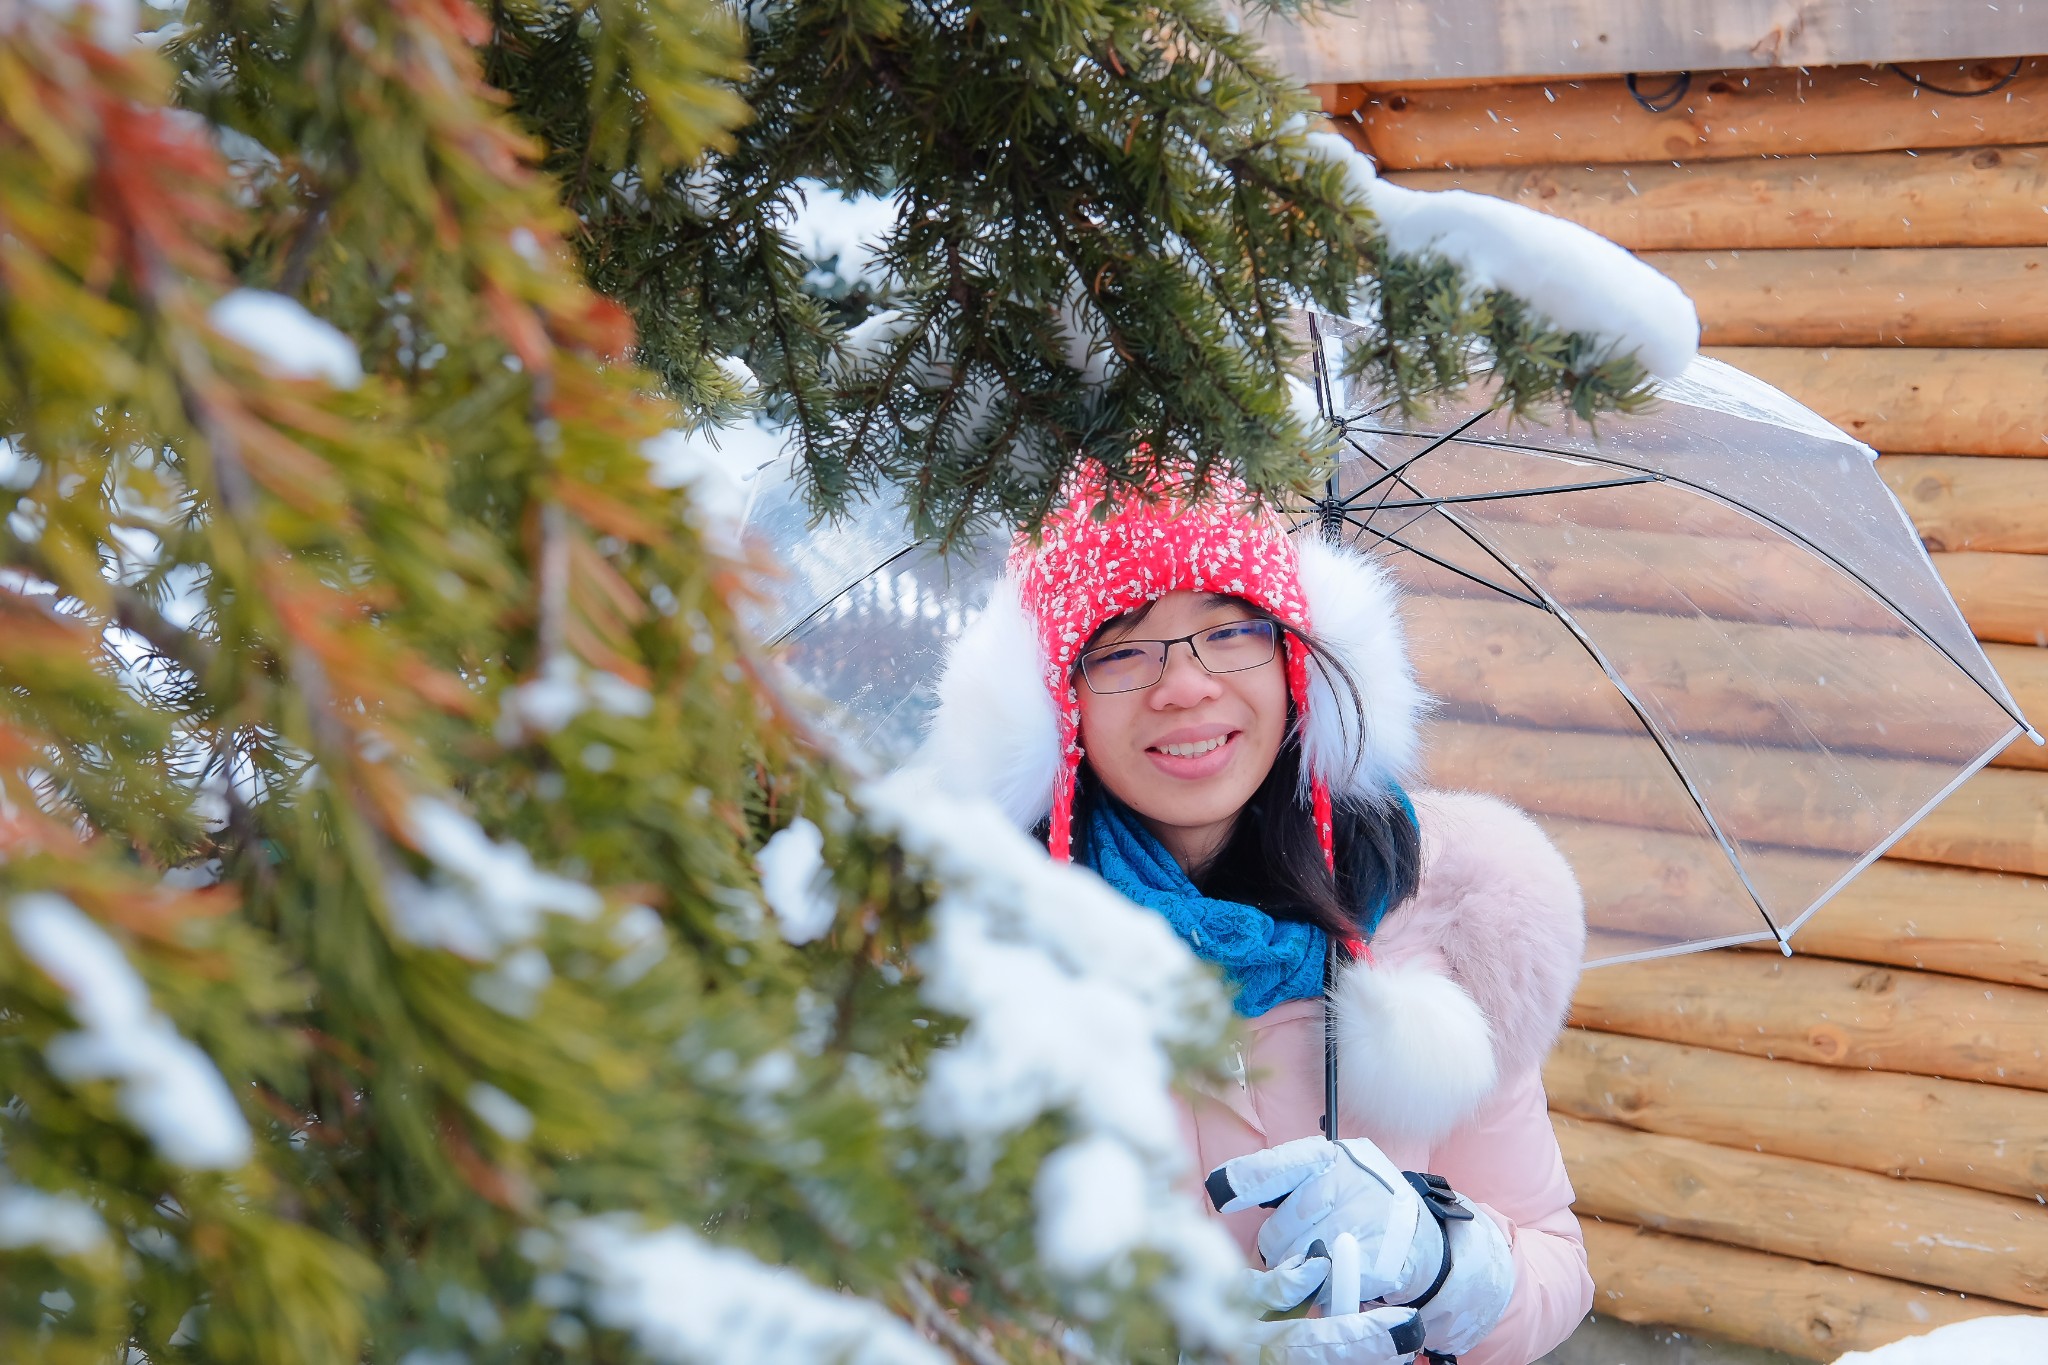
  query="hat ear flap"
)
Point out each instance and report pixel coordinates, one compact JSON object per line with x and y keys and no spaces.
{"x":1355,"y":613}
{"x":996,"y":732}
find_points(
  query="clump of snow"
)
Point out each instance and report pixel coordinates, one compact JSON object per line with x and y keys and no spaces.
{"x":1073,"y":998}
{"x":1574,"y":278}
{"x":868,"y":342}
{"x":289,"y":341}
{"x":690,"y":1302}
{"x":716,"y":464}
{"x":168,"y":1088}
{"x":794,"y":881}
{"x":61,"y":1224}
{"x":489,"y":896}
{"x":563,"y":690}
{"x":113,"y":23}
{"x":1980,"y":1341}
{"x":511,"y":1120}
{"x":848,"y":230}
{"x":1091,"y":1206}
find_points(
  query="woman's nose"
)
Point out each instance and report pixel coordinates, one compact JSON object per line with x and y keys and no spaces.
{"x":1185,"y":682}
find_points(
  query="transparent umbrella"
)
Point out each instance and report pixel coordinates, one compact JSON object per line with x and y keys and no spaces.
{"x":1702,"y":646}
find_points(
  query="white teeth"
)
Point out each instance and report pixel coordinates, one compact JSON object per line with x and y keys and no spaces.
{"x":1191,"y":750}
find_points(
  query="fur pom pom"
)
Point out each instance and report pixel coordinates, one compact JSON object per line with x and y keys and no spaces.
{"x":1499,"y":908}
{"x":995,"y":732}
{"x":1415,"y":1054}
{"x":1355,"y":610}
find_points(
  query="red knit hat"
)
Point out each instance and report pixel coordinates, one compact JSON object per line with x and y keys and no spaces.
{"x":1085,"y":571}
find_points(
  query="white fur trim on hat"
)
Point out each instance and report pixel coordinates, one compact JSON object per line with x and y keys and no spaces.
{"x":1415,"y":1055}
{"x":1354,"y":611}
{"x":995,"y":732}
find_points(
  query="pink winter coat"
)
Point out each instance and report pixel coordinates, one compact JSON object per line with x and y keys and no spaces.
{"x":1441,"y":1045}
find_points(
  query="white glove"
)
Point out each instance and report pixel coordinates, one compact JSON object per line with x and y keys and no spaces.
{"x":1378,"y":1336}
{"x":1401,"y":1223}
{"x":1325,"y":1188}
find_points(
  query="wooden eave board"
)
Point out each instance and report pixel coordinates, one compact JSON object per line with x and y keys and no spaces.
{"x":1378,"y":41}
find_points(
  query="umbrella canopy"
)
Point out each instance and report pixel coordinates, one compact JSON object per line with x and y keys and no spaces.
{"x":1704,"y":646}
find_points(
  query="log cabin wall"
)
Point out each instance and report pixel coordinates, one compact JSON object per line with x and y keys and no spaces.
{"x":1828,"y":1152}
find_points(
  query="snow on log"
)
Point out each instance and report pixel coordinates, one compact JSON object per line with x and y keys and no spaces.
{"x":1983,"y":1341}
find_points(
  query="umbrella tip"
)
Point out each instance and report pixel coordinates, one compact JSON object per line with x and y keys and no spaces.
{"x":2035,"y":735}
{"x":1785,"y":946}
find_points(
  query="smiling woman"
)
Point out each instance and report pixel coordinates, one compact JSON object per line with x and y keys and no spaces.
{"x":1219,"y":721}
{"x":1184,"y":737}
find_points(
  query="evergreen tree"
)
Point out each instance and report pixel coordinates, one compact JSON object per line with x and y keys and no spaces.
{"x":427,"y":935}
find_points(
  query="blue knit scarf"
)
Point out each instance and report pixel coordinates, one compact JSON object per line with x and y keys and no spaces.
{"x":1269,"y":961}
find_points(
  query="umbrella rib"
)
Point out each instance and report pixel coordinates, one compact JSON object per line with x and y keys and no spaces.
{"x":1635,"y":704}
{"x":1395,"y":471}
{"x":1467,"y":574}
{"x":818,"y":610}
{"x":1506,"y":494}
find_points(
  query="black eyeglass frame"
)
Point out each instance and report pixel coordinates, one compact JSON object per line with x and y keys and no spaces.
{"x":1166,"y":654}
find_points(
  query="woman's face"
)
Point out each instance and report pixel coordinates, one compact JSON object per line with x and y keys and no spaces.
{"x":1187,"y":752}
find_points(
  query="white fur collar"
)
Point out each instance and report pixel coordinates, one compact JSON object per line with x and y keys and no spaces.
{"x":995,"y":732}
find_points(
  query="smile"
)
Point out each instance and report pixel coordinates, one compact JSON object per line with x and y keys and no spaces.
{"x":1196,"y":749}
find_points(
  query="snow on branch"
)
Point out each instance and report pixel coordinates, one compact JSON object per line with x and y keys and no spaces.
{"x":168,"y":1088}
{"x":61,"y":1224}
{"x":1576,"y":279}
{"x":686,"y":1301}
{"x":1074,"y":1000}
{"x":289,"y":341}
{"x":488,"y":896}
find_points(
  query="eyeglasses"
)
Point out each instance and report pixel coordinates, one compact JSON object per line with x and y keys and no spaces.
{"x":1133,"y":665}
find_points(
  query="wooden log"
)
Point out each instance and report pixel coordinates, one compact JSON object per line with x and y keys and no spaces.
{"x":1972,"y":196}
{"x":1912,"y":1230}
{"x":1998,"y":820}
{"x":1721,"y":115}
{"x":1780,"y":1303}
{"x":1979,"y":1137}
{"x":1485,"y":657}
{"x":1935,"y":401}
{"x":1996,"y":296}
{"x":2003,"y":597}
{"x":1992,"y":926}
{"x":1958,"y":502}
{"x":1811,"y":1009}
{"x":2025,"y":670}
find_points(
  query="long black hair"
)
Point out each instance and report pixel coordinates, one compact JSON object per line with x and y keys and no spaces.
{"x":1273,"y":859}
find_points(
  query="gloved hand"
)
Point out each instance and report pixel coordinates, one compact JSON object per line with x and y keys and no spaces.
{"x":1378,"y":1336}
{"x":1324,"y":1188}
{"x":1418,"y":1240}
